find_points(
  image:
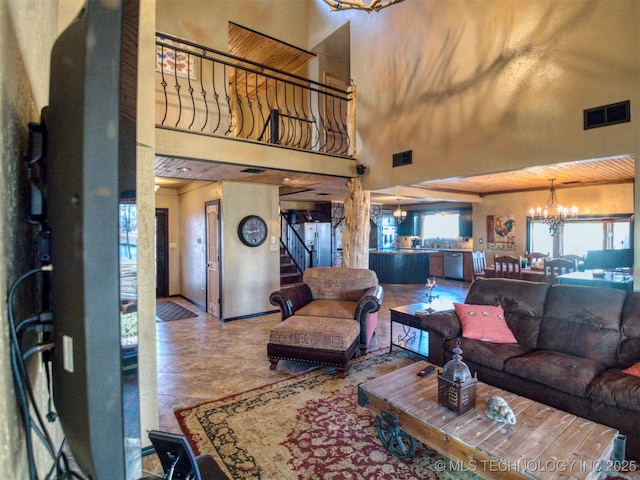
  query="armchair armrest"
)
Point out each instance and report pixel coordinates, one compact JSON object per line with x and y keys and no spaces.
{"x":290,"y":299}
{"x":370,"y":302}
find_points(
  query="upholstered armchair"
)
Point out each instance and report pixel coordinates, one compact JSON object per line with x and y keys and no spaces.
{"x":340,"y":292}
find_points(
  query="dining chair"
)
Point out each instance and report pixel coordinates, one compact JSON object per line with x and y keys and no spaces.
{"x":557,"y":266}
{"x":479,"y":263}
{"x":535,"y":258}
{"x":507,"y":266}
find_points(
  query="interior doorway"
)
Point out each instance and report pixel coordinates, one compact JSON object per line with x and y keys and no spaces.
{"x":213,"y":258}
{"x":162,"y":252}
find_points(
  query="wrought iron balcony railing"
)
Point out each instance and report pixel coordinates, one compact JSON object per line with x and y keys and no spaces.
{"x":209,"y":92}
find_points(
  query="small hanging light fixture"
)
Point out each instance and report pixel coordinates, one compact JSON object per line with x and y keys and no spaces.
{"x":399,"y":215}
{"x":553,"y":214}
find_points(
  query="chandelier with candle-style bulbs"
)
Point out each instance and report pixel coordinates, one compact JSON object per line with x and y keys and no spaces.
{"x":553,"y":214}
{"x":372,"y":6}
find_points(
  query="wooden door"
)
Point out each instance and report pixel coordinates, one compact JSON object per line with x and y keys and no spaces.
{"x":213,"y":258}
{"x":162,"y":252}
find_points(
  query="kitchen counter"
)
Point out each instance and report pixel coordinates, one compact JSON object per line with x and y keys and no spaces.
{"x":413,"y":265}
{"x":403,"y":266}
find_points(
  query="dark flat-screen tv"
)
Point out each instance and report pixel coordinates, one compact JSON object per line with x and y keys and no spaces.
{"x":89,"y":166}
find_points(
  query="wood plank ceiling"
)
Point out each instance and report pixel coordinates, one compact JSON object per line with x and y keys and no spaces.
{"x":311,"y":187}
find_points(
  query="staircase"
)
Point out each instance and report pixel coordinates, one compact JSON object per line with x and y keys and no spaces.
{"x":289,"y":273}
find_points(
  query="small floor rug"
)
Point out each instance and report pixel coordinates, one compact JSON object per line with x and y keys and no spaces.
{"x":308,"y":427}
{"x":166,"y":311}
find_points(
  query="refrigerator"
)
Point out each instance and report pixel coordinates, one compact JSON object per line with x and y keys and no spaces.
{"x":317,"y":238}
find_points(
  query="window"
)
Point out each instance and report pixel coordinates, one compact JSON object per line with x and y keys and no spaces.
{"x":597,"y":233}
{"x":442,"y":225}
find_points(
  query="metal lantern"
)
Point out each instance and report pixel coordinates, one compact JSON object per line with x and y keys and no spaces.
{"x":456,"y":386}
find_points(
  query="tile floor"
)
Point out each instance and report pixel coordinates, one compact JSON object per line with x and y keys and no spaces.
{"x":202,"y":358}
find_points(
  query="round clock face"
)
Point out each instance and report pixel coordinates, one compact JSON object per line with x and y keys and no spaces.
{"x":252,"y":230}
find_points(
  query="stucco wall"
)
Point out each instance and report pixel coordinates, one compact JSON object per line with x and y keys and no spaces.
{"x":26,"y":35}
{"x":249,"y":274}
{"x":487,"y":86}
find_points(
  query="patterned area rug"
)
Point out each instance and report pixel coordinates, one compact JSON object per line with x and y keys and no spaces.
{"x":309,"y":426}
{"x":166,"y":311}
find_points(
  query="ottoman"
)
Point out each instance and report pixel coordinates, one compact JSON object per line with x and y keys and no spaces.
{"x":324,"y":340}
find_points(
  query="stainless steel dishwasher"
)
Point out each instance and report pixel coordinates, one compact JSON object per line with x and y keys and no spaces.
{"x":453,"y":262}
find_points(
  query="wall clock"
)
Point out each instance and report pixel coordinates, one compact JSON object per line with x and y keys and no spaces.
{"x":252,"y":230}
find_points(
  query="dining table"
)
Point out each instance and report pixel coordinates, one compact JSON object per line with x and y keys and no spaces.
{"x":528,"y":273}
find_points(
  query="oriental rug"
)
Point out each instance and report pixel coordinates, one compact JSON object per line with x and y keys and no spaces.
{"x":308,"y":427}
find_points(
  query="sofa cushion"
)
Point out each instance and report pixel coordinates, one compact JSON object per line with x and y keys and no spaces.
{"x":523,"y":304}
{"x":584,"y":322}
{"x":617,"y":389}
{"x":329,"y":308}
{"x":563,"y":372}
{"x":629,"y":348}
{"x":339,"y":283}
{"x":315,"y":332}
{"x":492,"y":355}
{"x":484,"y":322}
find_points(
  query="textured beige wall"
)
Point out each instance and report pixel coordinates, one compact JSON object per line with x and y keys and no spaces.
{"x":249,"y":274}
{"x":145,"y":198}
{"x":192,"y":244}
{"x":27,"y":32}
{"x":488,"y":86}
{"x":590,"y":201}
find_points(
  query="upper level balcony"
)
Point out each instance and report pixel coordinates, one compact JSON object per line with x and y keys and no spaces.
{"x":205,"y":98}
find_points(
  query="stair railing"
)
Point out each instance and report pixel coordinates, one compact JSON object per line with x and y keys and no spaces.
{"x":294,"y":245}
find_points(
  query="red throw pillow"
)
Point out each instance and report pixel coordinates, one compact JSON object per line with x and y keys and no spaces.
{"x":633,"y":370}
{"x":484,"y":322}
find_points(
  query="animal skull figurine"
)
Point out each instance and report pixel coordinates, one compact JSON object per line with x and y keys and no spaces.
{"x":498,"y":409}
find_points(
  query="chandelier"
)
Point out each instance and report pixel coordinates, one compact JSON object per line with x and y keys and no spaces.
{"x":372,"y":6}
{"x":553,"y":214}
{"x":399,"y":215}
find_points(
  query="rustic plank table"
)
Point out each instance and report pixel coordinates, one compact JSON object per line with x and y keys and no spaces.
{"x":545,"y":443}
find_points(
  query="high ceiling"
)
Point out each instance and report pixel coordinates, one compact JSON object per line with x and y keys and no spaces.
{"x":295,"y":186}
{"x":308,"y":187}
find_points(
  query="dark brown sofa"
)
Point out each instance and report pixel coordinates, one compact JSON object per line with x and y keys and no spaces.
{"x":573,"y":343}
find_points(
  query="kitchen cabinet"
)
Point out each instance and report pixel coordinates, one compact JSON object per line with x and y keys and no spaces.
{"x":465,"y":223}
{"x":467,"y":266}
{"x":436,"y":264}
{"x":408,"y":225}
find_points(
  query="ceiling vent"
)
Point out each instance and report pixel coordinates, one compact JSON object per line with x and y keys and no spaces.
{"x":607,"y":115}
{"x":253,"y":170}
{"x":403,"y":158}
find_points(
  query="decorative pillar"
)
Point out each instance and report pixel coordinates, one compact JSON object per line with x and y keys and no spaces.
{"x":355,"y":240}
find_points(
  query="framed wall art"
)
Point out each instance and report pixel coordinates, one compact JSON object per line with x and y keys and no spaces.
{"x":501,"y":232}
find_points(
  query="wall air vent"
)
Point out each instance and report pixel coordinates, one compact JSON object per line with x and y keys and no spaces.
{"x":403,"y":158}
{"x":607,"y":115}
{"x":253,"y":170}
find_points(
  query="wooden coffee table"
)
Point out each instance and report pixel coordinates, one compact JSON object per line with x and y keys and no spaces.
{"x":545,"y":442}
